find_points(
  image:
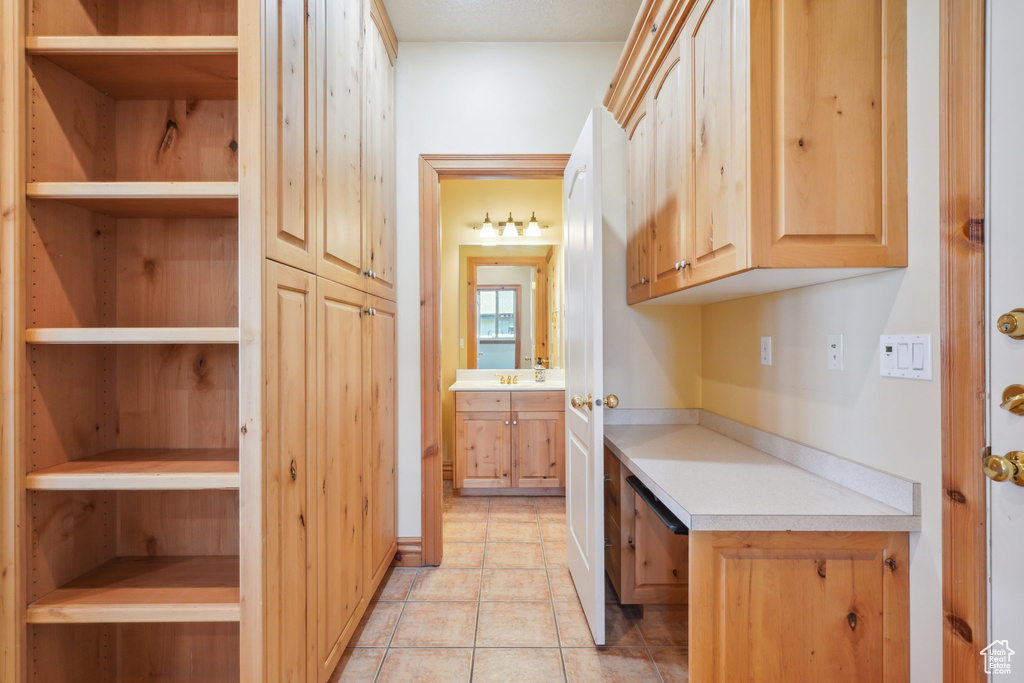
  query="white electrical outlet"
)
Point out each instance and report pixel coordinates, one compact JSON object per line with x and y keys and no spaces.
{"x":766,"y":350}
{"x":834,"y":343}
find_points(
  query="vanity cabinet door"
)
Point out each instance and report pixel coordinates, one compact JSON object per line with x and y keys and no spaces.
{"x":380,"y":350}
{"x":538,"y":450}
{"x":483,"y":444}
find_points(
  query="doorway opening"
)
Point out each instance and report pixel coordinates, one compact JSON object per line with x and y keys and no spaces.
{"x":434,"y":168}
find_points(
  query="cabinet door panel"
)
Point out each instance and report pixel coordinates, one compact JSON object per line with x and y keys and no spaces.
{"x":379,"y":166}
{"x":841,"y":596}
{"x":483,"y":450}
{"x":669,"y":224}
{"x":833,"y":134}
{"x":340,"y":48}
{"x":381,"y":341}
{"x":339,"y":523}
{"x":638,"y":208}
{"x":290,"y":134}
{"x":717,"y":177}
{"x":538,"y":449}
{"x":290,"y":428}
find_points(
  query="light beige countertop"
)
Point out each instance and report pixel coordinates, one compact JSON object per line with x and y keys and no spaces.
{"x":494,"y":385}
{"x":713,"y":482}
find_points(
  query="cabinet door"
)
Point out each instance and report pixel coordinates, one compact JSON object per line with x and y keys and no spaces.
{"x":290,"y":134}
{"x":716,"y":76}
{"x":829,"y":151}
{"x":538,"y":450}
{"x":290,"y":429}
{"x":638,"y":209}
{"x":483,"y":450}
{"x":828,"y":606}
{"x":340,"y":54}
{"x":339,"y":522}
{"x":380,"y":339}
{"x":670,"y":224}
{"x":379,"y":166}
{"x":654,"y":563}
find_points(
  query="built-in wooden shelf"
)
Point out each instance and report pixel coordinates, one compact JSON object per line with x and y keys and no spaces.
{"x":147,"y":67}
{"x":132,"y":335}
{"x":145,"y":590}
{"x":145,"y":469}
{"x":145,"y":200}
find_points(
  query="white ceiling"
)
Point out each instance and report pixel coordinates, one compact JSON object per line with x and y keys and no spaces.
{"x":555,"y":21}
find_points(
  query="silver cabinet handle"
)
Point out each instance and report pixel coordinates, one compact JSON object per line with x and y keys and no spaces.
{"x":506,"y":421}
{"x":515,"y":422}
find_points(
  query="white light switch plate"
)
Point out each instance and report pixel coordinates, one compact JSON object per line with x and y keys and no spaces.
{"x":766,"y":350}
{"x":908,"y":356}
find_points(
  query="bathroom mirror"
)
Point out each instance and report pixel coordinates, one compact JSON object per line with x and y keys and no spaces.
{"x":510,"y":306}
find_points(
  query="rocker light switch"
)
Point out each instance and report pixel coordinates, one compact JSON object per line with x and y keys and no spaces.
{"x":907,"y":356}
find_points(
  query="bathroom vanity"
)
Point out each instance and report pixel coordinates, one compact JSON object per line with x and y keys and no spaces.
{"x":509,"y":438}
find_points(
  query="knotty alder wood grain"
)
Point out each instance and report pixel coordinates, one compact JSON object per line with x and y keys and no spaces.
{"x":799,"y":606}
{"x":146,"y":589}
{"x":142,"y":469}
{"x":147,"y":67}
{"x":962,"y":272}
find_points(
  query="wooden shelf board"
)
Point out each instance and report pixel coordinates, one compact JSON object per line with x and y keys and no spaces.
{"x":147,"y":469}
{"x":147,"y":67}
{"x":145,"y":590}
{"x":132,"y":335}
{"x":145,"y":200}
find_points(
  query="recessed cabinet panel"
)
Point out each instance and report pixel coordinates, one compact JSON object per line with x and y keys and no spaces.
{"x":290,"y":129}
{"x":638,"y":216}
{"x":339,"y":523}
{"x":538,"y":447}
{"x":290,"y":472}
{"x":379,"y":166}
{"x":340,"y":43}
{"x":836,"y":100}
{"x":717,"y":164}
{"x":484,"y":450}
{"x":670,"y":224}
{"x":381,"y":399}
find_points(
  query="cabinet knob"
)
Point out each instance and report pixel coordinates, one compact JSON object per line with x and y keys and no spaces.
{"x":515,"y":422}
{"x":643,"y":280}
{"x":506,"y":421}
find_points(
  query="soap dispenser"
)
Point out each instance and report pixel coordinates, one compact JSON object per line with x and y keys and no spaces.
{"x":538,"y":371}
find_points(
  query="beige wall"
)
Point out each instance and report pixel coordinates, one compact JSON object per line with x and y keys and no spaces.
{"x":891,"y":424}
{"x":463,"y":204}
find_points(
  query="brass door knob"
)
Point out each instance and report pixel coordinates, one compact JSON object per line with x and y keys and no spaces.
{"x":1012,"y":324}
{"x":1001,"y":468}
{"x":611,"y":401}
{"x":578,"y":402}
{"x":1013,"y":399}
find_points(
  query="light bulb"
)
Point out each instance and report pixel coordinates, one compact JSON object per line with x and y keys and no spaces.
{"x":510,"y":228}
{"x":487,"y":229}
{"x":533,"y":229}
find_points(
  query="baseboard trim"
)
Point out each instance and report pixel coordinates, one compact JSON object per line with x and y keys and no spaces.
{"x":446,"y":470}
{"x":410,"y":552}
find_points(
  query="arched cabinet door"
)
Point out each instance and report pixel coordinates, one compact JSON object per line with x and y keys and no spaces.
{"x":638,"y":208}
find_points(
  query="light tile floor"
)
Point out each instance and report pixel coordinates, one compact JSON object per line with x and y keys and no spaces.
{"x":502,"y":607}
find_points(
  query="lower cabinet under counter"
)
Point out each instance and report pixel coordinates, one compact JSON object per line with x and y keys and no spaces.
{"x":510,"y":442}
{"x":766,"y":605}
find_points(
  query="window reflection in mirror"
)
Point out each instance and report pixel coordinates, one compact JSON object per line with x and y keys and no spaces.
{"x":509,"y":313}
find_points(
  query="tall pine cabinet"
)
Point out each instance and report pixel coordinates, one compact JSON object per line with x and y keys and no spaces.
{"x":197,"y":342}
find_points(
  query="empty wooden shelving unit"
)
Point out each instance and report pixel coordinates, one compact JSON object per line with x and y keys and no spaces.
{"x":175,"y":454}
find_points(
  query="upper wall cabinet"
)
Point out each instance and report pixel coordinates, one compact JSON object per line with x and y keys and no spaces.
{"x":772,"y":134}
{"x":332,"y":153}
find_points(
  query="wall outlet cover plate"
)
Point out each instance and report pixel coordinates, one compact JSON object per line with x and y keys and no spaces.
{"x":906,"y":356}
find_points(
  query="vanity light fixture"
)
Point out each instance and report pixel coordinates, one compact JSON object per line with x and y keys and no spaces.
{"x":533,"y":228}
{"x":487,"y":229}
{"x":510,"y":227}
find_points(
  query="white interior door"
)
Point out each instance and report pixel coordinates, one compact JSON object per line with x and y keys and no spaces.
{"x":1005,"y":247}
{"x":584,"y":443}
